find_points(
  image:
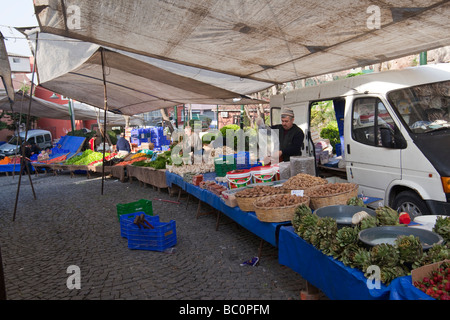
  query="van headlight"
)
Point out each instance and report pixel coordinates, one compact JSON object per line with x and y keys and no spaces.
{"x":446,"y":184}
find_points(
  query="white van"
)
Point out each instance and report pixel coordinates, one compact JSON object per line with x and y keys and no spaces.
{"x":42,"y":138}
{"x":396,"y":133}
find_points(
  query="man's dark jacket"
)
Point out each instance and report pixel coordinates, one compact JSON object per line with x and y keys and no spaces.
{"x":123,"y":145}
{"x":291,"y":141}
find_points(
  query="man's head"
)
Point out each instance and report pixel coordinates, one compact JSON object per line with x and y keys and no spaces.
{"x":287,"y":118}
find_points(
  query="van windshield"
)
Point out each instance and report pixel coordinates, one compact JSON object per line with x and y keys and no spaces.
{"x":15,"y":140}
{"x":424,"y":108}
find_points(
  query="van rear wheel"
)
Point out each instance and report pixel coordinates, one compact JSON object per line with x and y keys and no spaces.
{"x":410,"y":202}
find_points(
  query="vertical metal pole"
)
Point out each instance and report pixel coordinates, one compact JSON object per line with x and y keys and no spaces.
{"x":72,"y":117}
{"x":423,"y":58}
{"x":104,"y":117}
{"x":26,"y":136}
{"x":2,"y":279}
{"x":176,"y":116}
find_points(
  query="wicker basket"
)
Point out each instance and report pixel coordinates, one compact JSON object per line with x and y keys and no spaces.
{"x":330,"y":200}
{"x":278,"y":214}
{"x":246,"y":203}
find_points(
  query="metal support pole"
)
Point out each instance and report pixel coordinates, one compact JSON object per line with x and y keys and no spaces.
{"x":423,"y":58}
{"x":104,"y":117}
{"x":26,"y":137}
{"x":2,"y":280}
{"x":72,"y":116}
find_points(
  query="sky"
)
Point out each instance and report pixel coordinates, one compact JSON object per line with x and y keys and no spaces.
{"x":16,"y":13}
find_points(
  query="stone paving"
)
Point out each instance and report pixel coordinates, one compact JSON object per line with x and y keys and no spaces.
{"x":71,"y":223}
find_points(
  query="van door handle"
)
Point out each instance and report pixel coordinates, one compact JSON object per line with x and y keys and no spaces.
{"x":348,"y":148}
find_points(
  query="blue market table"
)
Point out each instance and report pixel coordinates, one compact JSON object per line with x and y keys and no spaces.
{"x":264,"y":230}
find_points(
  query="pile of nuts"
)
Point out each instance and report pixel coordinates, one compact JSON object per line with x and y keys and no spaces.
{"x":260,"y":191}
{"x":330,"y":189}
{"x":281,"y":200}
{"x":303,"y":181}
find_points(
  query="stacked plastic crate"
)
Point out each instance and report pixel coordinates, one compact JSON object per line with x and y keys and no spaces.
{"x":158,"y":138}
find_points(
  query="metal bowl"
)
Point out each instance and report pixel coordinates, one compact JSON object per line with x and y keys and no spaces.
{"x":342,"y":213}
{"x":388,"y":234}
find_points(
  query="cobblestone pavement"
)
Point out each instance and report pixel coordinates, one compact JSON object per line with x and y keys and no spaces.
{"x":71,"y":223}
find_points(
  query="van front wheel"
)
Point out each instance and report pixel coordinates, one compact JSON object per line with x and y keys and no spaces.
{"x":410,"y":202}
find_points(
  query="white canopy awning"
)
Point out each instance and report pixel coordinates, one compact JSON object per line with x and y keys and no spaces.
{"x":5,"y":71}
{"x":272,"y":41}
{"x":46,"y":109}
{"x":135,"y":83}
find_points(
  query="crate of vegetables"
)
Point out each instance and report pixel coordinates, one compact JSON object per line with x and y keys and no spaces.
{"x":433,"y":279}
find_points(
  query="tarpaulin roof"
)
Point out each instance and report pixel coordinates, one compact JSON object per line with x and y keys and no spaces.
{"x":47,"y":109}
{"x":135,"y":83}
{"x":271,"y":41}
{"x":5,"y":70}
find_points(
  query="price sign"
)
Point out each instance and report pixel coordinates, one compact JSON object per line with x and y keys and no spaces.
{"x":297,"y":193}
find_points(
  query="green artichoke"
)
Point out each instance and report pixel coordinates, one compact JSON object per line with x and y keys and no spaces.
{"x":442,"y":227}
{"x":385,"y":254}
{"x":387,"y":216}
{"x":409,"y":248}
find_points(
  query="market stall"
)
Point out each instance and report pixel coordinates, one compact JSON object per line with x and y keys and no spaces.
{"x":333,"y":278}
{"x":148,"y":175}
{"x":325,"y":255}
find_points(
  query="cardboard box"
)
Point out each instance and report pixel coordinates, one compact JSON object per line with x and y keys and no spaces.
{"x":425,"y":271}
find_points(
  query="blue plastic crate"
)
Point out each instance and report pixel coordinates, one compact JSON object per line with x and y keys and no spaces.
{"x":162,"y":237}
{"x":127,"y":219}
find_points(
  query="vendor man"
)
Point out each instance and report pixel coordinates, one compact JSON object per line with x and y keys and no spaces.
{"x":123,"y":146}
{"x":290,"y":136}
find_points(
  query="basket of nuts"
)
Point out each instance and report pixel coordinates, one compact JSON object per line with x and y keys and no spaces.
{"x":278,"y":208}
{"x":331,"y":194}
{"x":248,"y":196}
{"x":303,"y":181}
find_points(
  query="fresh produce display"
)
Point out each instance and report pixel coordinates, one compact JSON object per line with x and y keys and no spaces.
{"x":138,"y":155}
{"x":330,"y":189}
{"x":303,"y":181}
{"x":436,"y":253}
{"x":212,"y":186}
{"x":55,"y":159}
{"x":442,"y":227}
{"x":160,"y":162}
{"x":437,"y":283}
{"x":100,"y":162}
{"x":387,"y":216}
{"x":356,"y":201}
{"x":281,"y":200}
{"x":86,"y":158}
{"x":368,"y":222}
{"x":127,"y":162}
{"x":260,"y":191}
{"x":404,"y":218}
{"x":409,"y":248}
{"x":394,"y":260}
{"x":197,"y":168}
